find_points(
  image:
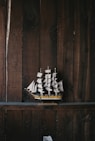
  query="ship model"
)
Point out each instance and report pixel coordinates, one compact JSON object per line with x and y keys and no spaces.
{"x":47,"y":86}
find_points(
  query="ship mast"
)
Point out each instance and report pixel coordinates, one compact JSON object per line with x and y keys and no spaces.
{"x":47,"y":80}
{"x":54,"y":82}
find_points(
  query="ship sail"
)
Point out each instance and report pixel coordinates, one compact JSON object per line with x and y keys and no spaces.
{"x":54,"y":82}
{"x":47,"y":81}
{"x":40,"y":83}
{"x":60,"y":85}
{"x":32,"y":87}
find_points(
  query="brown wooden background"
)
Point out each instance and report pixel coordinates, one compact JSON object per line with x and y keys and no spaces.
{"x":55,"y":33}
{"x":47,"y":33}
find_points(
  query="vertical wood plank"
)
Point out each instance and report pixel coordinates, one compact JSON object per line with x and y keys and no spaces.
{"x":61,"y":41}
{"x":87,"y":125}
{"x":36,"y":125}
{"x":49,"y":123}
{"x":48,"y":33}
{"x":14,"y":128}
{"x":60,"y":125}
{"x":88,"y":84}
{"x":92,"y":51}
{"x":92,"y":127}
{"x":2,"y":52}
{"x":65,"y":45}
{"x":27,"y":125}
{"x":64,"y":126}
{"x":2,"y":138}
{"x":69,"y":25}
{"x":2,"y":124}
{"x":61,"y":35}
{"x":30,"y":41}
{"x":15,"y":53}
{"x":78,"y":128}
{"x":83,"y":49}
{"x":76,"y":50}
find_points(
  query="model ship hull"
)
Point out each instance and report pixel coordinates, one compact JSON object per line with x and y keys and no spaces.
{"x":45,"y":96}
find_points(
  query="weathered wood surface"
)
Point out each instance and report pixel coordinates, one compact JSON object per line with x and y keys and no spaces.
{"x":30,"y":41}
{"x":15,"y":53}
{"x":2,"y":52}
{"x":48,"y":35}
{"x":58,"y":121}
{"x":54,"y":33}
{"x":92,"y":50}
{"x":64,"y":41}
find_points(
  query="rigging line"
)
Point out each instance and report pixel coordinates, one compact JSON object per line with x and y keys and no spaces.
{"x":7,"y":41}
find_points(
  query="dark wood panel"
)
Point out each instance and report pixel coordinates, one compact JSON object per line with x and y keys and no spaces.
{"x":61,"y":50}
{"x":60,"y":123}
{"x":31,"y":50}
{"x":36,"y":125}
{"x":83,"y":49}
{"x":48,"y":33}
{"x":60,"y":117}
{"x":65,"y":45}
{"x":14,"y":128}
{"x":68,"y":67}
{"x":92,"y":51}
{"x":88,"y":83}
{"x":2,"y":52}
{"x":87,"y":125}
{"x":92,"y":127}
{"x":15,"y":53}
{"x":61,"y":30}
{"x":59,"y":37}
{"x":2,"y":138}
{"x":27,"y":125}
{"x":76,"y":50}
{"x":2,"y":123}
{"x":68,"y":127}
{"x":49,"y":123}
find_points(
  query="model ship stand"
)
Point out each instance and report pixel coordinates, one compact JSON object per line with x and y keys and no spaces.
{"x":46,"y":86}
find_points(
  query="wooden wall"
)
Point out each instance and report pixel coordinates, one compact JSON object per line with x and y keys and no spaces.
{"x":33,"y":121}
{"x":55,"y":33}
{"x":47,"y":33}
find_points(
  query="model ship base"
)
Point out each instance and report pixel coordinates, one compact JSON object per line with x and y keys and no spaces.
{"x":45,"y":96}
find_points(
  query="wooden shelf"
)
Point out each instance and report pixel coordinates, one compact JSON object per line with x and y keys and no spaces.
{"x":45,"y":105}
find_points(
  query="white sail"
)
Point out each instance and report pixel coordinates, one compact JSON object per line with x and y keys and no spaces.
{"x":39,"y":80}
{"x":40,"y":86}
{"x":39,"y":74}
{"x":40,"y":90}
{"x":40,"y":83}
{"x":54,"y":82}
{"x":56,"y":91}
{"x":47,"y":71}
{"x":47,"y":80}
{"x":54,"y":76}
{"x":60,"y":83}
{"x":32,"y":87}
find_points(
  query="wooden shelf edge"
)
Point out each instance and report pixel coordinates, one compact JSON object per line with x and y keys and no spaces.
{"x":48,"y":105}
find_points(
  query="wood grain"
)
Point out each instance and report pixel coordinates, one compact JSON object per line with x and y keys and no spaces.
{"x":31,"y":24}
{"x":15,"y":53}
{"x":2,"y":52}
{"x":48,"y":34}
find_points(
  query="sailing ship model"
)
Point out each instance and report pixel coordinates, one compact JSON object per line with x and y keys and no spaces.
{"x":46,"y":86}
